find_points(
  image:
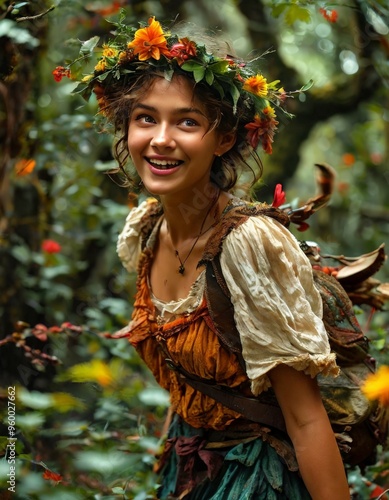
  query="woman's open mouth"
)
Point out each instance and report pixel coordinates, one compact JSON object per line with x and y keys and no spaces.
{"x":163,"y":167}
{"x":164,"y":164}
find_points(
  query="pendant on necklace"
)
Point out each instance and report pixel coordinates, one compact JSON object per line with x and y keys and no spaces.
{"x":181,"y":268}
{"x":182,"y":262}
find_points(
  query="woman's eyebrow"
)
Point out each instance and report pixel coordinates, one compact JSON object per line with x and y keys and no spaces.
{"x":144,"y":106}
{"x":190,"y":110}
{"x":177,"y":111}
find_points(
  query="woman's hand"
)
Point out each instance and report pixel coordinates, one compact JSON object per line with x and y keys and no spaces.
{"x":311,"y":433}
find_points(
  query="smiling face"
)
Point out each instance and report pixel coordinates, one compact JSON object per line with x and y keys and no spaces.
{"x":170,"y":141}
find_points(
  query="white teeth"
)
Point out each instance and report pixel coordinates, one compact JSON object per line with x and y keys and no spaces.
{"x":164,"y":163}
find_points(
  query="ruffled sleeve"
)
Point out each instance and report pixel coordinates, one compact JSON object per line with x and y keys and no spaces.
{"x":278,"y":309}
{"x":129,"y":241}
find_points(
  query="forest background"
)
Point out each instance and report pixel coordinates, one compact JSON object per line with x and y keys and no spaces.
{"x":88,"y":415}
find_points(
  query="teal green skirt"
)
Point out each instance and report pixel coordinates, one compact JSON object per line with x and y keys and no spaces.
{"x":247,"y":471}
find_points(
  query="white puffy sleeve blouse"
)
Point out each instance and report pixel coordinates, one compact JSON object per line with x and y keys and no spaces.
{"x":277,"y":307}
{"x":128,"y":246}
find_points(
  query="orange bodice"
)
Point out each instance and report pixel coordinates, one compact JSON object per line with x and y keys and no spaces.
{"x":190,"y":342}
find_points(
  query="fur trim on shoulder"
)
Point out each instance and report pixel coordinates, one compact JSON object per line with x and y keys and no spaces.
{"x":237,"y":213}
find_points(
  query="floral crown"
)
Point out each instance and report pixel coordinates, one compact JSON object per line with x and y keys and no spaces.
{"x":135,"y":50}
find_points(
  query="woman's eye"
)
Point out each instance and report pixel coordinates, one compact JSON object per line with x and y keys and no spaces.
{"x":188,"y":122}
{"x":144,"y":119}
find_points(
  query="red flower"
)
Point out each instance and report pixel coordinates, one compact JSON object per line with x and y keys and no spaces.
{"x":60,"y":72}
{"x":52,"y":476}
{"x":55,"y":329}
{"x":279,"y":196}
{"x":70,"y":326}
{"x":329,"y":15}
{"x":51,"y":246}
{"x":262,"y":129}
{"x":110,"y":9}
{"x":40,"y":332}
{"x":378,"y":492}
{"x":303,"y":226}
{"x":183,"y":51}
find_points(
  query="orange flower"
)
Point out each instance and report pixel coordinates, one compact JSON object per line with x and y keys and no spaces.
{"x":256,"y":85}
{"x":52,"y":476}
{"x":24,"y":167}
{"x":376,"y":386}
{"x":99,"y":92}
{"x":254,"y":131}
{"x":262,"y":129}
{"x":149,"y":42}
{"x":348,"y":159}
{"x":329,"y":15}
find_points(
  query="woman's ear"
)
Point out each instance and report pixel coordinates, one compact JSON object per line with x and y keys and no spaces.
{"x":226,"y":143}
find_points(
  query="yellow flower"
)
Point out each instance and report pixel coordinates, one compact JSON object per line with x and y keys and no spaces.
{"x":87,"y":78}
{"x":109,"y":51}
{"x":256,"y":85}
{"x":102,"y":373}
{"x":149,"y":42}
{"x":101,"y":65}
{"x":269,"y":112}
{"x":96,"y":370}
{"x":376,"y":386}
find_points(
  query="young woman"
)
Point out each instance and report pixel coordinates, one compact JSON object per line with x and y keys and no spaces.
{"x":189,"y":118}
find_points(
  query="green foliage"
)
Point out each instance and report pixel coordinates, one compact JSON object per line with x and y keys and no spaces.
{"x":292,"y":11}
{"x":91,"y":430}
{"x":18,"y":35}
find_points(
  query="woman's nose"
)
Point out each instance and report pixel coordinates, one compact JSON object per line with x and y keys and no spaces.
{"x":162,"y":137}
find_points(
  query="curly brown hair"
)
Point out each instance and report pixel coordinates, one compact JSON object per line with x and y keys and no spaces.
{"x":117,"y":101}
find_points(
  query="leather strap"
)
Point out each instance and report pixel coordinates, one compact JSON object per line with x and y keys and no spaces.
{"x":251,"y":408}
{"x":221,"y":310}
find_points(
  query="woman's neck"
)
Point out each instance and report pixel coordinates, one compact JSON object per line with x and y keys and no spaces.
{"x":190,"y":217}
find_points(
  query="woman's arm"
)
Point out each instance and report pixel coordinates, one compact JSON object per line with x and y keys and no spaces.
{"x":309,"y":428}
